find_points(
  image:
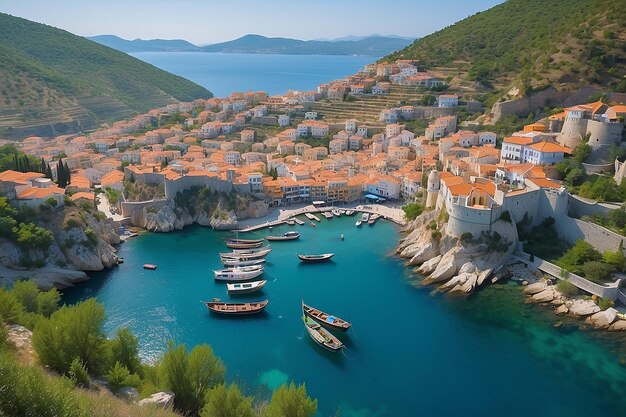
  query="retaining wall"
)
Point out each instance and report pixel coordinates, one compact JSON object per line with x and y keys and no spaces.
{"x":128,"y":207}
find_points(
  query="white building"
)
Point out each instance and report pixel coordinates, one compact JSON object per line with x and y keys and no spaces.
{"x":448,"y":100}
{"x":283,"y":120}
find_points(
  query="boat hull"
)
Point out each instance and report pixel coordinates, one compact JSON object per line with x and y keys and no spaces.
{"x":236,"y":289}
{"x":237,"y":262}
{"x":319,"y":315}
{"x":243,"y":245}
{"x":236,"y":276}
{"x":282,"y":238}
{"x":316,"y":258}
{"x":236,"y":309}
{"x":321,"y":336}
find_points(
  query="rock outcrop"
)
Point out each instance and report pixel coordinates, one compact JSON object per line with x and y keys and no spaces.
{"x":163,"y":399}
{"x":583,"y":308}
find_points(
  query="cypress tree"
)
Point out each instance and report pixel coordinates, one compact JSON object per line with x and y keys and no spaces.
{"x":16,"y":163}
{"x":68,"y":173}
{"x":61,"y":178}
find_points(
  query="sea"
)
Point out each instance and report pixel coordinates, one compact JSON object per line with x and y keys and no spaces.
{"x":410,"y":351}
{"x":223,"y":73}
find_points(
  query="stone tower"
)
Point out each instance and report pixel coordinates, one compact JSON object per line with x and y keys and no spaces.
{"x":432,"y":189}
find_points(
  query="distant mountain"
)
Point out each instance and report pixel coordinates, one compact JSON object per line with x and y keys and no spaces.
{"x":375,"y":35}
{"x":54,"y":82}
{"x":140,"y":45}
{"x":257,"y":44}
{"x":531,"y":44}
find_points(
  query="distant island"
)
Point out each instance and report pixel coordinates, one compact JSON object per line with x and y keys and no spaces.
{"x":375,"y":45}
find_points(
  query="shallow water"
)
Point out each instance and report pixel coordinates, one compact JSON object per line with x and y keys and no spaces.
{"x":409,"y":352}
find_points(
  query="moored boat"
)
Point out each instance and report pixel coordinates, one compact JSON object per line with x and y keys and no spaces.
{"x":242,"y":262}
{"x":373,"y":218}
{"x":327,"y":214}
{"x":245,"y":287}
{"x":365,"y":217}
{"x":321,"y":336}
{"x":350,"y":213}
{"x":298,"y":221}
{"x":336,"y":213}
{"x":238,"y":273}
{"x":236,"y":309}
{"x":236,"y":245}
{"x":325,"y":319}
{"x":237,"y":240}
{"x":358,"y":223}
{"x":245,"y":255}
{"x":290,"y":222}
{"x":316,"y":258}
{"x":264,"y":249}
{"x":285,"y":236}
{"x":149,"y":266}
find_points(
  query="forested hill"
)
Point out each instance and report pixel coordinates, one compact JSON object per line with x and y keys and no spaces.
{"x":533,"y":43}
{"x":53,"y":82}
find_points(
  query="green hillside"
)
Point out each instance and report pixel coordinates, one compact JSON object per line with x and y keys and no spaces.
{"x":52,"y":82}
{"x":533,"y":43}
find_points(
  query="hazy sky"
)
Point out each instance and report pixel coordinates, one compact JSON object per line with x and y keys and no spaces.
{"x":209,"y":21}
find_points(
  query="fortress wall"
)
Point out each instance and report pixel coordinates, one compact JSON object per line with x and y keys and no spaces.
{"x":172,"y":187}
{"x":128,"y":207}
{"x":604,"y":134}
{"x":518,"y":205}
{"x":572,"y":132}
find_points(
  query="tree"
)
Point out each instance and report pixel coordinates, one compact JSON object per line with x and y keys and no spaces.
{"x":124,"y":349}
{"x":78,"y":374}
{"x":290,"y":401}
{"x":412,"y":210}
{"x":581,"y":152}
{"x":227,"y":402}
{"x":48,"y":302}
{"x":575,"y":177}
{"x":615,"y":259}
{"x":597,"y":271}
{"x":189,"y":376}
{"x":32,"y":236}
{"x":73,"y":332}
{"x":10,"y":306}
{"x":117,"y":376}
{"x":26,"y":292}
{"x":618,"y":218}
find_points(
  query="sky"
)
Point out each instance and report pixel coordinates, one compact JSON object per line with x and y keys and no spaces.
{"x":211,"y":21}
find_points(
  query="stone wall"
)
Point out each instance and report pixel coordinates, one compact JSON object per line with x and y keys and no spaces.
{"x":602,"y":239}
{"x":578,"y":207}
{"x":172,"y":187}
{"x":603,"y":134}
{"x":598,"y":168}
{"x":128,"y":207}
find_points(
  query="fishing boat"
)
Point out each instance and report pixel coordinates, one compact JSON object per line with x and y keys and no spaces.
{"x":321,"y":336}
{"x":238,"y":273}
{"x":365,"y":217}
{"x":264,"y":249}
{"x":327,"y":214}
{"x":350,"y":213}
{"x":245,"y":287}
{"x":336,"y":213}
{"x":316,"y":258}
{"x":290,"y":222}
{"x":285,"y":236}
{"x":325,"y":319}
{"x":149,"y":266}
{"x":235,"y":309}
{"x":240,"y":262}
{"x":236,"y":245}
{"x":373,"y":219}
{"x":298,"y":221}
{"x":358,"y":223}
{"x":312,"y":217}
{"x":245,"y":256}
{"x":236,"y":240}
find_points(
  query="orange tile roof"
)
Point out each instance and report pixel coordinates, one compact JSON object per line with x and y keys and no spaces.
{"x":36,"y":192}
{"x":83,"y":194}
{"x":461,"y":189}
{"x":549,"y":147}
{"x":545,"y":183}
{"x":518,"y":140}
{"x":19,"y":177}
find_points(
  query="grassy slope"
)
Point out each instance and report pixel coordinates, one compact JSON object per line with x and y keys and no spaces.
{"x":531,"y":43}
{"x":49,"y":76}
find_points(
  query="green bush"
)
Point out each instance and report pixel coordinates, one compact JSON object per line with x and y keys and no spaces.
{"x":4,"y":334}
{"x":412,"y":210}
{"x":125,"y":350}
{"x":567,"y":288}
{"x":91,"y":235}
{"x":117,"y":376}
{"x":32,"y":236}
{"x":10,"y":306}
{"x":466,"y":237}
{"x":436,"y":234}
{"x":290,"y":401}
{"x":78,"y":374}
{"x":506,"y":217}
{"x":597,"y":271}
{"x":26,"y":292}
{"x":605,"y":303}
{"x":227,"y":402}
{"x":73,"y":332}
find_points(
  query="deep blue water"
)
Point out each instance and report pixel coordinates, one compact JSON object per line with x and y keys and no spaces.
{"x":223,"y":74}
{"x":409,"y":353}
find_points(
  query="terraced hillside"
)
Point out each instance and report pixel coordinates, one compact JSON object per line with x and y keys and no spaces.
{"x":530,"y":44}
{"x":52,"y":82}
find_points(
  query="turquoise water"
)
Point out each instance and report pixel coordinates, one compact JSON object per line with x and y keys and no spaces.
{"x":409,"y":353}
{"x":223,"y":74}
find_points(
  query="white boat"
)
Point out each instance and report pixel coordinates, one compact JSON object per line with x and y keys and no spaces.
{"x":239,"y":262}
{"x":327,"y":214}
{"x":336,"y":213}
{"x":365,"y":217}
{"x":238,"y":273}
{"x":245,"y":287}
{"x":245,"y":255}
{"x":286,"y":236}
{"x":265,"y":249}
{"x":350,"y":212}
{"x":373,"y":219}
{"x":290,"y":222}
{"x":358,"y":223}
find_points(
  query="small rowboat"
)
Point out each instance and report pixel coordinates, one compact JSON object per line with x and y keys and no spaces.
{"x":245,"y":255}
{"x":325,"y":319}
{"x":238,"y":273}
{"x":290,"y":222}
{"x":350,"y":213}
{"x":336,"y":213}
{"x":373,"y":219}
{"x":327,"y":214}
{"x":321,"y":336}
{"x":359,"y":223}
{"x":235,"y":309}
{"x":240,"y":262}
{"x":286,"y":236}
{"x":245,"y":240}
{"x":149,"y":266}
{"x":235,"y":245}
{"x":316,"y":258}
{"x":245,"y":287}
{"x":264,"y":249}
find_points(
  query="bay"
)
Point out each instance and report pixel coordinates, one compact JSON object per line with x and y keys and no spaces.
{"x":223,"y":73}
{"x":409,"y":353}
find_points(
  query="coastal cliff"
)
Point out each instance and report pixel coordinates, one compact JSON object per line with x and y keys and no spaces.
{"x":454,"y":264}
{"x":81,"y":240}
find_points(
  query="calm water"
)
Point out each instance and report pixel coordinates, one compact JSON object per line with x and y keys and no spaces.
{"x":409,"y":353}
{"x":223,"y":74}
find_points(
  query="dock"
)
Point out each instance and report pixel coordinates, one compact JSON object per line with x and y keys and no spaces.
{"x":312,"y":217}
{"x":298,"y":221}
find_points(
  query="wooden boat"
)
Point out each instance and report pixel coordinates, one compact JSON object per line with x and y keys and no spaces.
{"x":290,"y":222}
{"x":266,"y":249}
{"x":373,"y":219}
{"x":350,"y":213}
{"x":358,"y":223}
{"x":298,"y":221}
{"x":238,"y":273}
{"x":325,"y":319}
{"x":327,"y":214}
{"x":236,"y":240}
{"x":321,"y":336}
{"x":240,"y":262}
{"x":235,"y":245}
{"x":149,"y":266}
{"x":245,"y":287}
{"x":235,"y":309}
{"x":245,"y":256}
{"x":312,"y":217}
{"x":285,"y":236}
{"x":336,"y":213}
{"x":365,"y":217}
{"x":316,"y":258}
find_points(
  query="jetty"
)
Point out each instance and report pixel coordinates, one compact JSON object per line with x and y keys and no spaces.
{"x":312,"y":217}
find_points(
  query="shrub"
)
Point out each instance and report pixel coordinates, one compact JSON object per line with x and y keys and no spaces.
{"x":124,"y":349}
{"x":597,"y":271}
{"x":32,"y":236}
{"x":26,"y":292}
{"x":227,"y":402}
{"x":73,"y":332}
{"x":432,"y":225}
{"x":466,"y":237}
{"x":71,"y":223}
{"x":605,"y":303}
{"x":436,"y":234}
{"x":117,"y":376}
{"x":91,"y":235}
{"x":48,"y":302}
{"x":4,"y":334}
{"x":506,"y":217}
{"x":78,"y":374}
{"x":567,"y":288}
{"x":291,"y":401}
{"x":412,"y":210}
{"x":10,"y":306}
